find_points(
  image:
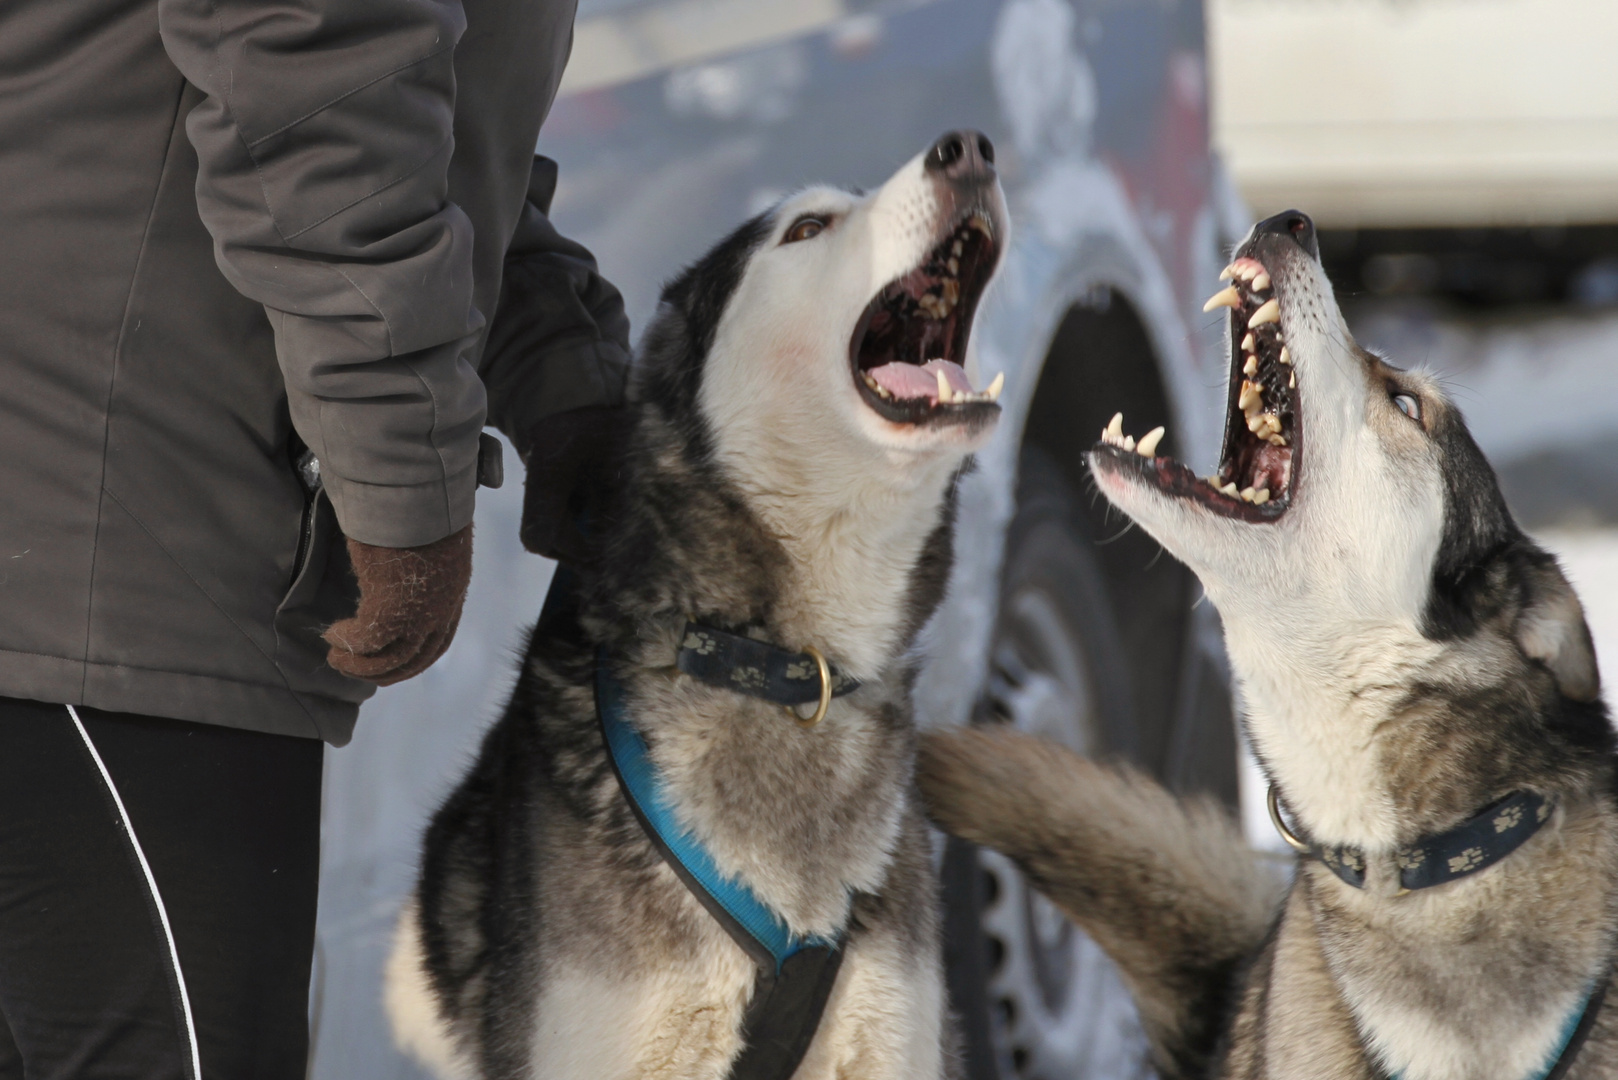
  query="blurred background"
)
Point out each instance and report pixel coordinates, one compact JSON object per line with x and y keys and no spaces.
{"x":1460,"y":158}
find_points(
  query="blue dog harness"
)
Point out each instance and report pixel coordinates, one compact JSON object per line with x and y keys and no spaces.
{"x":795,"y":974}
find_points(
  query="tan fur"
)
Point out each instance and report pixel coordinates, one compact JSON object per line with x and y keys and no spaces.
{"x":1168,"y":889}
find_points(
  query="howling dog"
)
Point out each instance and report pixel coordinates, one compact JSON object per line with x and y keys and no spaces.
{"x":693,"y":833}
{"x":1422,"y":693}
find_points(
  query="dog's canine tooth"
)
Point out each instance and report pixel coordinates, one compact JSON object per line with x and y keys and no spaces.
{"x":981,"y":224}
{"x":1261,"y":282}
{"x":1251,"y":396}
{"x":1147,"y":447}
{"x":1114,"y":431}
{"x":1226,"y":297}
{"x":1269,"y":312}
{"x":995,"y":386}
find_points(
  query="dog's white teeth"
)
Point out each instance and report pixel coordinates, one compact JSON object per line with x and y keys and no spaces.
{"x":952,"y":291}
{"x":1286,"y":357}
{"x":1248,"y":344}
{"x":1228,"y":272}
{"x":993,"y":392}
{"x":1226,"y":297}
{"x":1247,"y":271}
{"x":1257,"y":424}
{"x":1276,"y":439}
{"x":945,"y":394}
{"x":1147,"y":447}
{"x":953,"y":263}
{"x":1129,"y":442}
{"x":981,"y":224}
{"x":1261,"y":282}
{"x":1261,"y":496}
{"x":1251,"y":397}
{"x":1268,"y":312}
{"x":1251,"y":367}
{"x":1114,"y":431}
{"x":1247,"y":494}
{"x":1230,"y":489}
{"x":956,"y":248}
{"x":1292,"y":381}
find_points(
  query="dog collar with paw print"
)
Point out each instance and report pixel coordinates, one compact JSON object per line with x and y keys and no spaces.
{"x":1475,"y":844}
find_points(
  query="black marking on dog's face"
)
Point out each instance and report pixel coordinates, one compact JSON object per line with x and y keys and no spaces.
{"x":1478,"y":531}
{"x":679,"y":336}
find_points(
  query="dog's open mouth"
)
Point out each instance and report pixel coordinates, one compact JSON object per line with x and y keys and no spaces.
{"x":1257,"y":466}
{"x":909,"y":346}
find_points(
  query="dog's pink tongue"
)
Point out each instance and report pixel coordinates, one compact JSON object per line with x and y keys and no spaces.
{"x":907,"y":381}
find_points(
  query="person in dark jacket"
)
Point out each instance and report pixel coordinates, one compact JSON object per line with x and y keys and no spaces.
{"x":266,"y":271}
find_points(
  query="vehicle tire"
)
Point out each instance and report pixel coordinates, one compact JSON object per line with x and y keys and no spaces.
{"x":1036,"y":998}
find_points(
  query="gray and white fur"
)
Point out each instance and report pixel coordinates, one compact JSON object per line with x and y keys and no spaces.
{"x":1407,"y":657}
{"x":764,"y":490}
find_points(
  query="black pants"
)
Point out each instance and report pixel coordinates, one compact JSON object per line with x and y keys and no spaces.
{"x":128,"y":845}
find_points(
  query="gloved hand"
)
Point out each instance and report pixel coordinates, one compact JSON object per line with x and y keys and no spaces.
{"x":410,"y":605}
{"x":572,"y":460}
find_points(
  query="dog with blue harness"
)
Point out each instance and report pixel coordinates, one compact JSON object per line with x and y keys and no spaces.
{"x":691,"y":847}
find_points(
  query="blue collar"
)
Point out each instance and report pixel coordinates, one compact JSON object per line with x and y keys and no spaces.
{"x":756,"y":927}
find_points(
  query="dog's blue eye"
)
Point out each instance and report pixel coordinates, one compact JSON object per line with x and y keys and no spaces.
{"x":805,"y":228}
{"x":1408,"y":405}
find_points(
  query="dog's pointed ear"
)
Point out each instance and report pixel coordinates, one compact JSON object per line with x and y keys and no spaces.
{"x":1552,"y":630}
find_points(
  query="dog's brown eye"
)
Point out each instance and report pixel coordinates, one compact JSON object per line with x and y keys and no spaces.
{"x":805,"y":228}
{"x":1409,"y":405}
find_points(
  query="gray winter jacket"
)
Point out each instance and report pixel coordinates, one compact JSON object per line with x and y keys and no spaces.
{"x":231,"y":231}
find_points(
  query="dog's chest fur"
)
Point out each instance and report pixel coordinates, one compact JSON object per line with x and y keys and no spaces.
{"x":569,"y":948}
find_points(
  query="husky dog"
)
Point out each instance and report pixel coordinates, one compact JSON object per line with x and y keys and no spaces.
{"x":1422,"y":693}
{"x":804,"y":404}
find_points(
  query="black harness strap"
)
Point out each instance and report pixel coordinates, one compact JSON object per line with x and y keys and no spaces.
{"x":785,"y":1012}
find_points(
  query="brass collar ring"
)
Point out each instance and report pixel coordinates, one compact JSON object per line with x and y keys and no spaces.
{"x":825,"y":691}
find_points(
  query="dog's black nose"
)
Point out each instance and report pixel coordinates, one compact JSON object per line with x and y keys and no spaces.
{"x":1293,"y":223}
{"x":962,"y":155}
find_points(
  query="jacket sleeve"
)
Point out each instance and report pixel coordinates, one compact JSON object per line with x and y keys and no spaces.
{"x":323,"y":145}
{"x":559,"y":339}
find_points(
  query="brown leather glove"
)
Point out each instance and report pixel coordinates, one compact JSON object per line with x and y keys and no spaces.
{"x":410,"y":605}
{"x":572,"y":459}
